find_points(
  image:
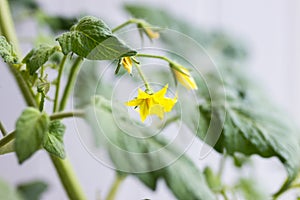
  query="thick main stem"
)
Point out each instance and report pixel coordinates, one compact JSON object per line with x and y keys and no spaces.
{"x":63,"y":167}
{"x":68,"y":178}
{"x":8,"y":30}
{"x":7,"y":25}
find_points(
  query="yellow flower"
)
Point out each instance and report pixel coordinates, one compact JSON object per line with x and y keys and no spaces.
{"x":150,"y":33}
{"x":127,"y":64}
{"x":147,"y":29}
{"x":153,"y":104}
{"x":184,"y":77}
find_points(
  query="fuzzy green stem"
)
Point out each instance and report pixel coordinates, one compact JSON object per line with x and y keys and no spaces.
{"x":115,"y":186}
{"x":143,"y":77}
{"x":154,"y":56}
{"x":2,"y":129}
{"x":42,"y":102}
{"x":8,"y":138}
{"x":130,"y":21}
{"x":62,"y":115}
{"x":60,"y":72}
{"x":172,"y":64}
{"x":68,"y":178}
{"x":25,"y":89}
{"x":223,"y":193}
{"x":286,"y":186}
{"x":70,"y":84}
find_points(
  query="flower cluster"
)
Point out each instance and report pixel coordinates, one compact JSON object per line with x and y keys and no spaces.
{"x":148,"y":102}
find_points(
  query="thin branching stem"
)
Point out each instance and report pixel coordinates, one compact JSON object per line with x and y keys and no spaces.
{"x":60,"y":72}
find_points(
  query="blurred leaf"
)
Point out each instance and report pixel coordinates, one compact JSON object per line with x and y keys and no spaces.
{"x":7,"y":192}
{"x":31,"y":129}
{"x":32,"y":190}
{"x":53,"y":142}
{"x":7,"y":52}
{"x":58,"y":23}
{"x":211,"y":40}
{"x":251,"y":126}
{"x":89,"y":84}
{"x":140,"y":156}
{"x":91,"y":38}
{"x":251,"y":190}
{"x":39,"y":56}
{"x":26,"y":4}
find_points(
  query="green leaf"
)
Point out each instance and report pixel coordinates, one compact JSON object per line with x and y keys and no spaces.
{"x":252,"y":125}
{"x":91,"y":38}
{"x":32,"y":190}
{"x":39,"y":56}
{"x":7,"y":192}
{"x":53,"y":142}
{"x":31,"y":129}
{"x":149,"y":158}
{"x":7,"y":52}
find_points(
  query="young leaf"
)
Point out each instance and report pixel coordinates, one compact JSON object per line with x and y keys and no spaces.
{"x":31,"y":129}
{"x":32,"y":190}
{"x":39,"y":56}
{"x":7,"y":192}
{"x":7,"y":51}
{"x":53,"y":142}
{"x":91,"y":38}
{"x":140,"y":157}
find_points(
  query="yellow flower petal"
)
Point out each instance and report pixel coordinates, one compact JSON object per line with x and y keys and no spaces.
{"x":127,"y":64}
{"x":144,"y":110}
{"x":143,"y":95}
{"x":157,"y":110}
{"x":134,"y":102}
{"x":150,"y":33}
{"x":168,"y":103}
{"x":185,"y":78}
{"x":162,"y":92}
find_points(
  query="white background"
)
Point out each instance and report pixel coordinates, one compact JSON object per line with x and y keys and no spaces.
{"x":271,"y":29}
